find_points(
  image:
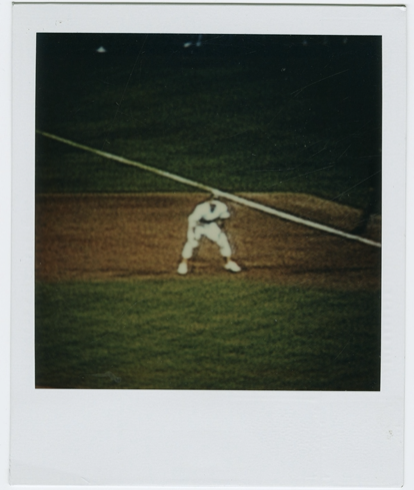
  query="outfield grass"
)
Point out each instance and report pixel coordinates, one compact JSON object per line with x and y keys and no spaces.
{"x":253,"y":113}
{"x":205,"y":334}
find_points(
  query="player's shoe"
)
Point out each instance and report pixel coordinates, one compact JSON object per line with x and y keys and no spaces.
{"x":182,"y":268}
{"x":232,"y":266}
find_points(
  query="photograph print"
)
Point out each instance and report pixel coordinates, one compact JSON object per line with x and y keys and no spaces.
{"x":208,"y":212}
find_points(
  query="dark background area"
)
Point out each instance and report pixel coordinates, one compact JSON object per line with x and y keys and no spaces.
{"x":239,"y":112}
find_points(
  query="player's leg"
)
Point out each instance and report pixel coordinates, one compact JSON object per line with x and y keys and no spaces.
{"x":231,"y":265}
{"x":217,"y":235}
{"x":193,"y":241}
{"x":186,"y":254}
{"x":225,"y":251}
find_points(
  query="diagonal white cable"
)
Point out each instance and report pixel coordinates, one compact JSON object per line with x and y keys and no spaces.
{"x":218,"y":192}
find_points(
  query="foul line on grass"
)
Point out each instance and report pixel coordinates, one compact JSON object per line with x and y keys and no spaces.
{"x":218,"y":192}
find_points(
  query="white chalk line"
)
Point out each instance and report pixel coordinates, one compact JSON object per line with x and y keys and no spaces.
{"x":218,"y":192}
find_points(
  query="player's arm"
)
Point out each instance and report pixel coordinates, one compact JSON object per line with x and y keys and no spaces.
{"x":194,"y":218}
{"x":224,"y":214}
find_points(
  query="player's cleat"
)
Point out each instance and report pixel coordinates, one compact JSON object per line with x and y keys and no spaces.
{"x":182,"y":268}
{"x":232,"y":266}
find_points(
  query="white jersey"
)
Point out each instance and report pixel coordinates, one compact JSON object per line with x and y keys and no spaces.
{"x":202,"y":222}
{"x":208,"y":212}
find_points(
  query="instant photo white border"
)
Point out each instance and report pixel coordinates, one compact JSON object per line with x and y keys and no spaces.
{"x":217,"y":439}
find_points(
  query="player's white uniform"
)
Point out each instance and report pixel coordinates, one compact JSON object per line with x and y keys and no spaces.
{"x":202,"y":222}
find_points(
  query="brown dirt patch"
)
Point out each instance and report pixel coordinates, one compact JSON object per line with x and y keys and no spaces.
{"x":98,"y":237}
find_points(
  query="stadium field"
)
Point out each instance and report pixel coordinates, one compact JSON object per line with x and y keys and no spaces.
{"x":111,"y":311}
{"x":241,"y":113}
{"x":293,"y":122}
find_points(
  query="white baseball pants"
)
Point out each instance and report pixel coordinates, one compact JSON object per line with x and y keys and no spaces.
{"x":213,"y":232}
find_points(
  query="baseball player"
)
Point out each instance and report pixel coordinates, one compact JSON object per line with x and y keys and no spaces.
{"x":205,"y":221}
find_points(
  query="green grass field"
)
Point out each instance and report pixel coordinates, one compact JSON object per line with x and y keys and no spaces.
{"x":257,"y":113}
{"x":205,"y":334}
{"x":243,"y":113}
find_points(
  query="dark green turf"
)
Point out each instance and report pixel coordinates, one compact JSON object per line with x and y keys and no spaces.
{"x":241,"y":113}
{"x":205,"y":334}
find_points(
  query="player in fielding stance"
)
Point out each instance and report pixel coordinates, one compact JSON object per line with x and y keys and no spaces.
{"x":204,"y":221}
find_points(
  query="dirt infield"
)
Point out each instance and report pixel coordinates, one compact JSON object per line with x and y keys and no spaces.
{"x":99,"y":237}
